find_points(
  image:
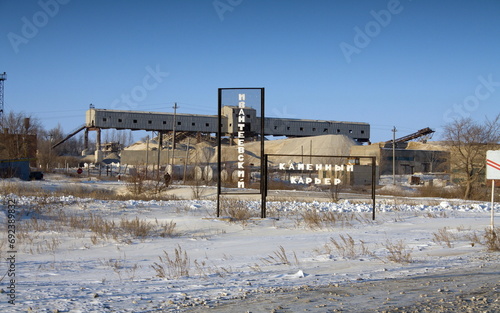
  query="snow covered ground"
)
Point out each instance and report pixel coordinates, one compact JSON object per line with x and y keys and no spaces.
{"x":64,"y":266}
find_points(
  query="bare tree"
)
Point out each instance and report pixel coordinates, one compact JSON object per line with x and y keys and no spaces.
{"x":21,"y":123}
{"x":468,"y":142}
{"x":124,"y":137}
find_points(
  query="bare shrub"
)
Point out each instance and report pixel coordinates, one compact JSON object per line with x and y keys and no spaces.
{"x":398,"y":252}
{"x":135,"y":182}
{"x":172,"y":267}
{"x":444,"y":236}
{"x":136,"y":227}
{"x":335,"y":189}
{"x":236,"y":209}
{"x":167,"y":229}
{"x":474,"y":239}
{"x":155,"y":187}
{"x":152,"y":184}
{"x":431,"y":191}
{"x":492,"y":239}
{"x":198,"y":189}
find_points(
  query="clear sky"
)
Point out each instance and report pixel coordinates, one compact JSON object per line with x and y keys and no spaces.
{"x":409,"y":63}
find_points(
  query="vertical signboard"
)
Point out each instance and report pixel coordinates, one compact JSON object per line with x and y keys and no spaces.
{"x":240,"y":141}
{"x":493,"y":164}
{"x":322,"y":173}
{"x":493,"y":173}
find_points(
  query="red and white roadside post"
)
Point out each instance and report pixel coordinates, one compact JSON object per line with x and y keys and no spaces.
{"x":493,"y":173}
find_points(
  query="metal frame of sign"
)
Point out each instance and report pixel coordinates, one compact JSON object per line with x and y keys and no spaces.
{"x":265,"y":175}
{"x":219,"y":144}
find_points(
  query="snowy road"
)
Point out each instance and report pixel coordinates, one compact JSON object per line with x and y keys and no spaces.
{"x":452,"y":290}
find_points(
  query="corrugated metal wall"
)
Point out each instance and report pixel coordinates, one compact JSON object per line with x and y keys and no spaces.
{"x":154,"y":121}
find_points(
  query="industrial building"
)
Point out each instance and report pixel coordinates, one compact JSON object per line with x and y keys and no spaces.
{"x":165,"y":122}
{"x":181,"y":125}
{"x":414,"y":158}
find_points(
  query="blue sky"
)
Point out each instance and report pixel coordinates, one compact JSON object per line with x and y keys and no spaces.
{"x":409,"y":63}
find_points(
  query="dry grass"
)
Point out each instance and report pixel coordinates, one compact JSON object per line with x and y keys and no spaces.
{"x":236,"y":209}
{"x":280,"y":257}
{"x":167,"y":229}
{"x":492,"y":239}
{"x":439,"y":192}
{"x":42,"y":223}
{"x":78,"y":191}
{"x":136,"y":227}
{"x":198,"y":189}
{"x":317,"y":220}
{"x":204,"y":269}
{"x":173,"y":267}
{"x":38,"y":228}
{"x":473,"y":238}
{"x":398,"y":252}
{"x":347,"y":248}
{"x":443,"y":236}
{"x":440,"y":214}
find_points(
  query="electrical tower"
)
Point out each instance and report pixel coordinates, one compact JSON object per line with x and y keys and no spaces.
{"x":3,"y":77}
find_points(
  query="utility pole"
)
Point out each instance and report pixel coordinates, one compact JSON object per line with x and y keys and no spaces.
{"x":173,"y":135}
{"x":160,"y":144}
{"x":394,"y":130}
{"x":50,"y":151}
{"x":3,"y":77}
{"x":147,"y":155}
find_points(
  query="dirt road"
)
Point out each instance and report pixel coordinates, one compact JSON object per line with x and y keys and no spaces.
{"x":452,"y":290}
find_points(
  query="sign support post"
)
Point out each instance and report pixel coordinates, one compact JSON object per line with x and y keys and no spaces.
{"x":492,"y":203}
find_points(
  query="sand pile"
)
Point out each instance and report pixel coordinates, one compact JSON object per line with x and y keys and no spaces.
{"x":317,"y":145}
{"x":205,"y":152}
{"x":430,"y":145}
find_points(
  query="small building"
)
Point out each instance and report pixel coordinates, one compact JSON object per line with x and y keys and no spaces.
{"x":18,"y":168}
